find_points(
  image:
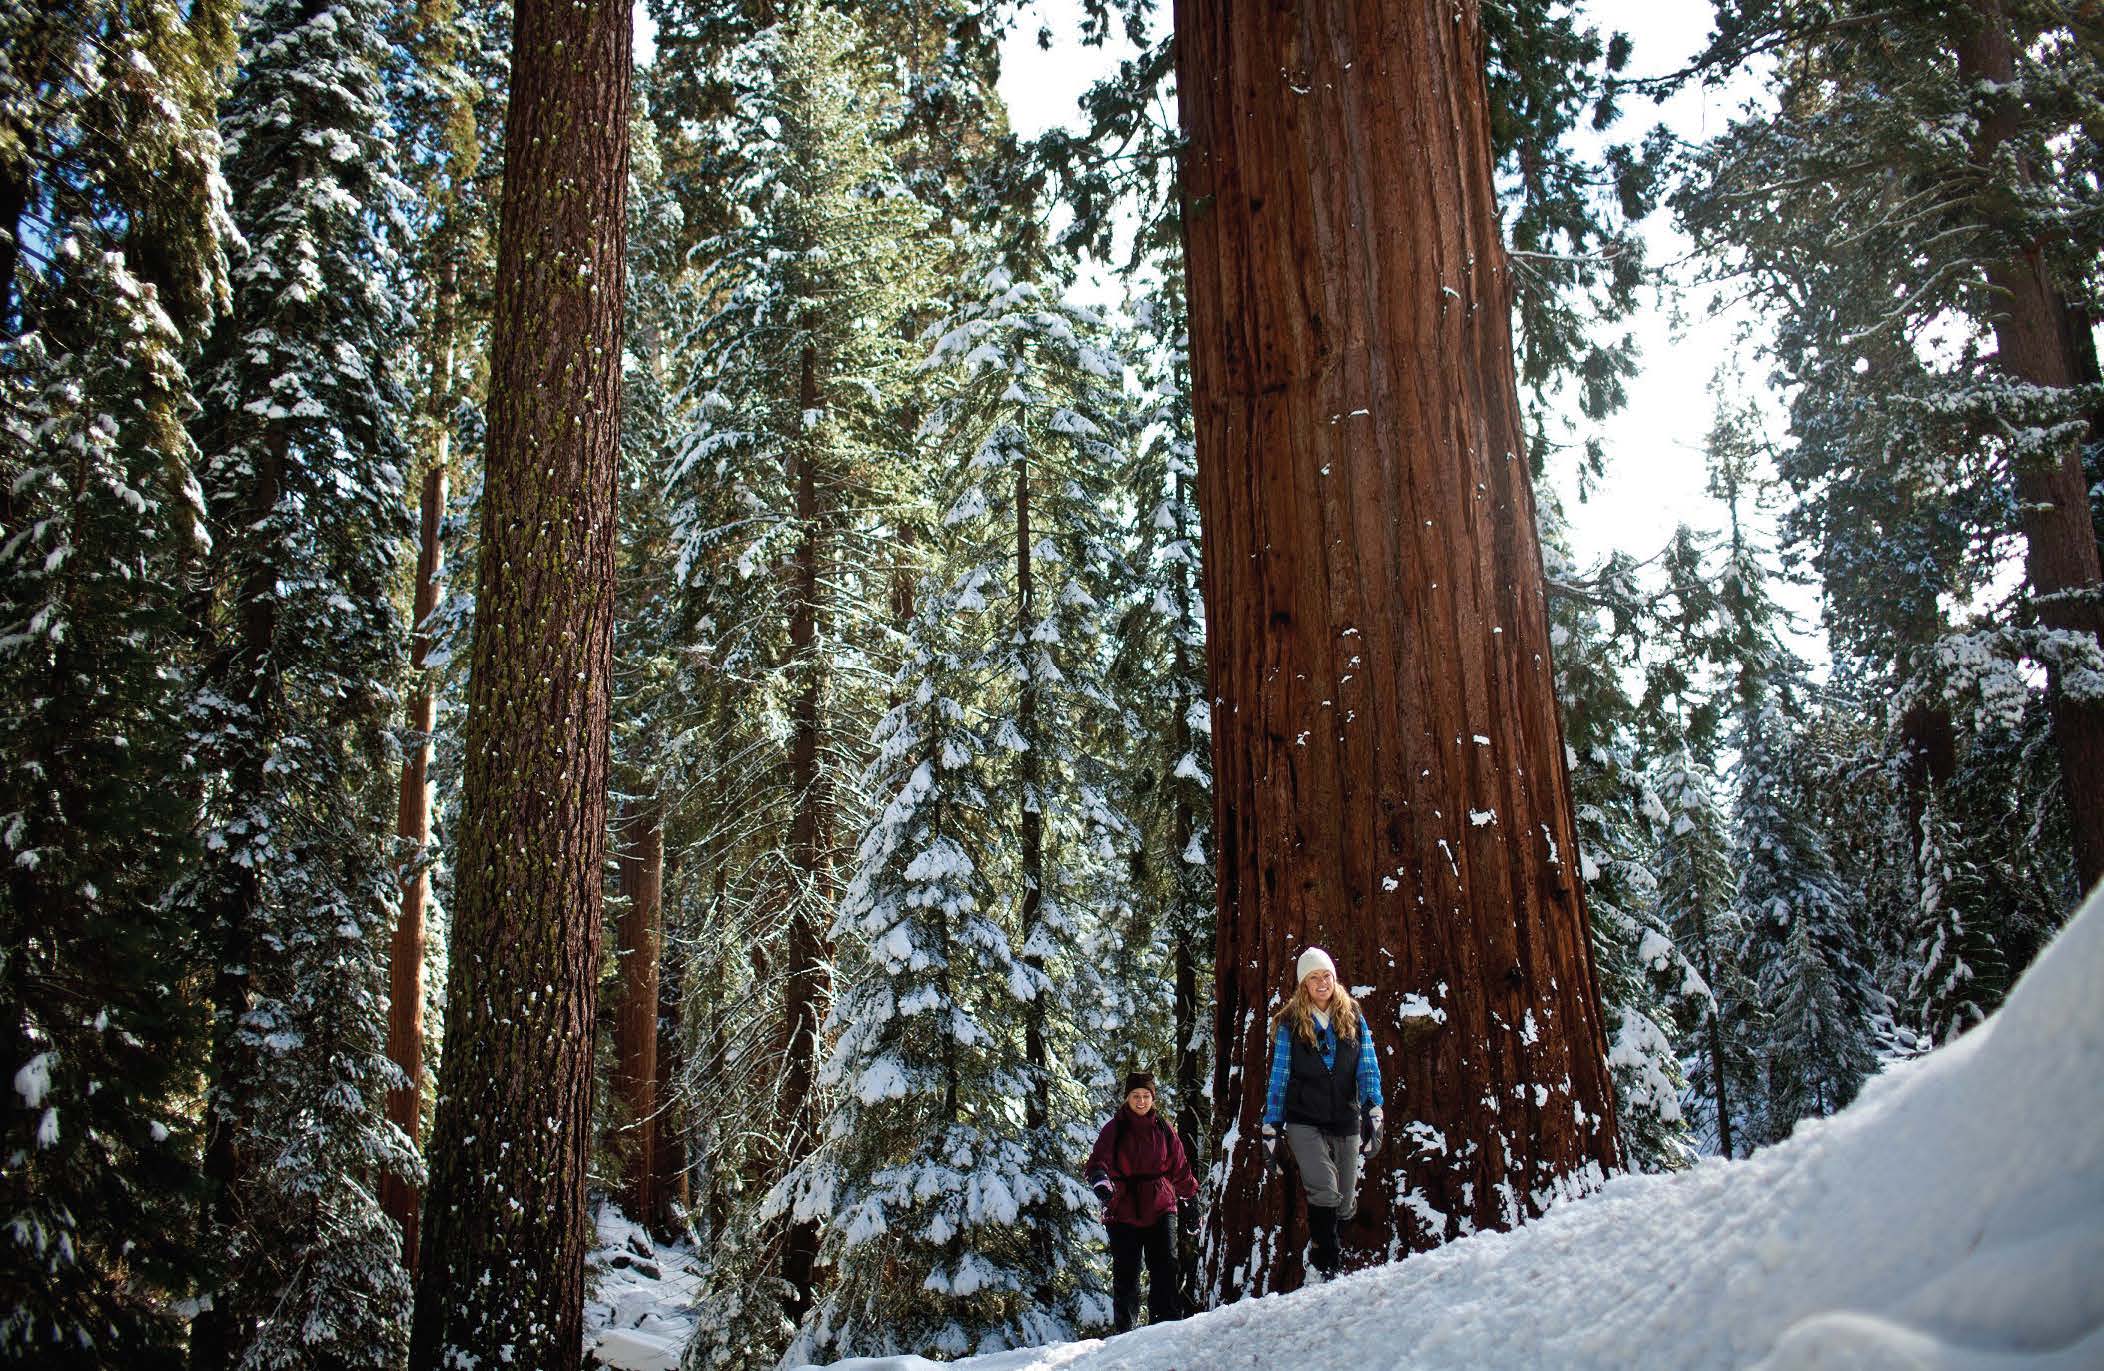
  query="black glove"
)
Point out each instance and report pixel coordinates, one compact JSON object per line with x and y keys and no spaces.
{"x":1274,"y":1149}
{"x":1370,"y":1132}
{"x":1103,"y":1194}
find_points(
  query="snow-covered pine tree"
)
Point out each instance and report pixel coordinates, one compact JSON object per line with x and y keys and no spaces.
{"x":923,"y":1171}
{"x":1802,"y":943}
{"x":1952,"y":958}
{"x":1028,"y":425}
{"x":112,"y":266}
{"x":98,"y":798}
{"x":948,"y":1182}
{"x":1165,"y":786}
{"x":1642,"y":974}
{"x":787,"y":472}
{"x":1918,"y":205}
{"x":649,"y":760}
{"x":305,"y":481}
{"x":1696,"y":888}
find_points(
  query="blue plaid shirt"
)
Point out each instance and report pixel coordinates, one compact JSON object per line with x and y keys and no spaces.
{"x":1326,"y":1038}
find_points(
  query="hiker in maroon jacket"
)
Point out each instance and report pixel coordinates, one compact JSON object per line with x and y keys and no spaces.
{"x":1140,"y":1173}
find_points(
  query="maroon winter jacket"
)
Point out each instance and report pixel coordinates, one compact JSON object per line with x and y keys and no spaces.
{"x":1144,"y":1161}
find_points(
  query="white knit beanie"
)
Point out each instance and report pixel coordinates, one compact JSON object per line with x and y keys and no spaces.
{"x":1312,"y":961}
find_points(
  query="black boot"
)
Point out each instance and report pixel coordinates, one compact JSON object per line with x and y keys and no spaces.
{"x":1322,"y":1230}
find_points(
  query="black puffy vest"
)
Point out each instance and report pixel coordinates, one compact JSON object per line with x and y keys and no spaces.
{"x":1324,"y":1096}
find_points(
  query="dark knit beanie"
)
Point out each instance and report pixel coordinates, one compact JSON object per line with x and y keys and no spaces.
{"x":1140,"y":1080}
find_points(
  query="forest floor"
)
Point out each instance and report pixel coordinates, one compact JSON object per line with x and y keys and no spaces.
{"x":641,"y":1309}
{"x":1952,"y":1217}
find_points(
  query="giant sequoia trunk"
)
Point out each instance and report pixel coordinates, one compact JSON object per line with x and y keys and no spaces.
{"x":2034,"y":344}
{"x":505,"y":1233}
{"x":1389,"y":766}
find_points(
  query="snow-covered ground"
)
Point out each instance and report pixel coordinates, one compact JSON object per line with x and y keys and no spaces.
{"x":640,"y":1313}
{"x":1952,"y":1217}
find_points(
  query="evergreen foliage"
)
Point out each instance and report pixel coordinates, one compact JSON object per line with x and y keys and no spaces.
{"x":1874,"y":207}
{"x":1696,"y":888}
{"x":1158,"y":680}
{"x":112,"y":265}
{"x":789,"y":492}
{"x":966,"y":1097}
{"x":103,"y":1036}
{"x":1802,"y":943}
{"x":1643,"y":975}
{"x":304,"y":480}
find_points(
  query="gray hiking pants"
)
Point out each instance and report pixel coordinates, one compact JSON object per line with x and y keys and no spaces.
{"x":1329,"y":1167}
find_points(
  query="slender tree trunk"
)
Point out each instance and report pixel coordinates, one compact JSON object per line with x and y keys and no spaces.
{"x":405,"y":971}
{"x":504,"y":1226}
{"x":1037,"y":1109}
{"x":1389,"y":763}
{"x":669,"y":1147}
{"x":807,"y":979}
{"x":2033,"y":343}
{"x":641,"y":861}
{"x":1718,"y":1087}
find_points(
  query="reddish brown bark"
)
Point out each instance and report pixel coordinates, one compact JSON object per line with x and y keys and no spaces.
{"x":641,"y":861}
{"x":405,"y":970}
{"x":1377,"y":634}
{"x":2033,"y":343}
{"x":504,"y":1224}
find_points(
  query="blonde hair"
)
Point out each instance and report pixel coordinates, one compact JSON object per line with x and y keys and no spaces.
{"x":1300,"y":1012}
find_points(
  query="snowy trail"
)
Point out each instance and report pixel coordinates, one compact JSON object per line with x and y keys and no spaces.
{"x":1952,"y":1217}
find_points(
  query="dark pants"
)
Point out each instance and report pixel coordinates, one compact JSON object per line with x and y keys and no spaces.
{"x":1158,"y":1241}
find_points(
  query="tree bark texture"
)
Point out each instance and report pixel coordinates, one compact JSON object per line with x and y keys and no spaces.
{"x":641,"y":862}
{"x":504,"y":1227}
{"x":2033,"y":343}
{"x":1390,"y":776}
{"x":807,"y":978}
{"x":405,"y":964}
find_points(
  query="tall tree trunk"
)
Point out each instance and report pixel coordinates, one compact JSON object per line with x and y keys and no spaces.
{"x":505,"y":1229}
{"x":2033,"y":343}
{"x":1716,"y":1046}
{"x":405,"y":969}
{"x":669,"y":1138}
{"x":1037,"y":1109}
{"x":807,"y":978}
{"x":1389,"y":762}
{"x":641,"y":861}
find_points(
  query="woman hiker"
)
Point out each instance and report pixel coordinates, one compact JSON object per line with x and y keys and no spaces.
{"x":1140,"y":1173}
{"x":1326,"y":1090}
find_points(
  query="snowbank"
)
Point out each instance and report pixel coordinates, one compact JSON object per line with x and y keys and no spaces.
{"x":640,"y":1313}
{"x":1952,"y":1217}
